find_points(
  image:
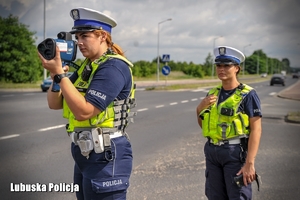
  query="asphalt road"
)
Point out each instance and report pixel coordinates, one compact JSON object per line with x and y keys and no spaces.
{"x":166,"y":140}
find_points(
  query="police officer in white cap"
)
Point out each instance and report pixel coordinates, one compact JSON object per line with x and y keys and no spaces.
{"x":230,"y":118}
{"x":96,"y":100}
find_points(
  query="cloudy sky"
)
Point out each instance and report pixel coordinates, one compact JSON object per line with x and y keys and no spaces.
{"x":270,"y":25}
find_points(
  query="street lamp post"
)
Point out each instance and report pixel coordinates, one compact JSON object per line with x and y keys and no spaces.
{"x":212,"y":63}
{"x":245,"y":58}
{"x":158,"y":46}
{"x":257,"y":66}
{"x":45,"y":71}
{"x":267,"y":64}
{"x":271,"y":66}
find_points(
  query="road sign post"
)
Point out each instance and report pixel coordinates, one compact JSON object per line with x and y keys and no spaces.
{"x":166,"y":71}
{"x":166,"y":58}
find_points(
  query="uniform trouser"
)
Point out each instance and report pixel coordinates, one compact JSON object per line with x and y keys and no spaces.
{"x":222,"y":164}
{"x":101,"y":179}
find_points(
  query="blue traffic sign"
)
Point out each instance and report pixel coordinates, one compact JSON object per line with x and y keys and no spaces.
{"x":166,"y":58}
{"x":166,"y":70}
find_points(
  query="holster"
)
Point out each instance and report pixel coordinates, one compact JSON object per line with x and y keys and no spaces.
{"x":101,"y":141}
{"x":85,"y":143}
{"x":244,"y":149}
{"x":98,"y":140}
{"x":244,"y":143}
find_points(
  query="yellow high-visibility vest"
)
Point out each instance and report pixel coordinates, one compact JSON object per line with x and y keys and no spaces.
{"x":223,"y":121}
{"x":117,"y":112}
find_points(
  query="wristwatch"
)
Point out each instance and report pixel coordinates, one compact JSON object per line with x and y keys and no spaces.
{"x":58,"y":77}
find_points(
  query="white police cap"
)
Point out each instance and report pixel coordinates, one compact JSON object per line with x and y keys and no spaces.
{"x":225,"y":54}
{"x":86,"y":19}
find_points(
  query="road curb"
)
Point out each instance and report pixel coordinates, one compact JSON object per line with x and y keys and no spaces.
{"x":283,"y":94}
{"x":290,"y":121}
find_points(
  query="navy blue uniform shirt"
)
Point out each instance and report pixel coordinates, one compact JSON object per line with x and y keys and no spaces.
{"x":250,"y":103}
{"x":112,"y":80}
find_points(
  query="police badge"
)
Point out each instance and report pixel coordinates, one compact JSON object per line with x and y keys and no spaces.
{"x":75,"y":14}
{"x":222,"y":50}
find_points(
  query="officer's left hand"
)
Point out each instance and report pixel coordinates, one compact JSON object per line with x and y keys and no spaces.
{"x":55,"y":65}
{"x":65,"y":68}
{"x":206,"y":102}
{"x":248,"y":172}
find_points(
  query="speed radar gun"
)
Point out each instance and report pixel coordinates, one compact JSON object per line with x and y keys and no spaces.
{"x":67,"y":48}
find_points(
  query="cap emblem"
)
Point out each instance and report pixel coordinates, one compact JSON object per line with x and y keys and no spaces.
{"x":75,"y":14}
{"x":222,"y":50}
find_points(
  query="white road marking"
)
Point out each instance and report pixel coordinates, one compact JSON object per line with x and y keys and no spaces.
{"x":51,"y":128}
{"x":7,"y":95}
{"x":40,"y":130}
{"x":9,"y":136}
{"x":140,"y":110}
{"x":159,"y":106}
{"x":143,"y":109}
{"x":200,"y":90}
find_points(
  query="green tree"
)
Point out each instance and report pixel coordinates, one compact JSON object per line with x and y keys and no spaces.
{"x":256,"y":63}
{"x":143,"y":69}
{"x":286,"y":64}
{"x":19,"y":62}
{"x":274,"y":66}
{"x":207,"y":66}
{"x":193,"y":70}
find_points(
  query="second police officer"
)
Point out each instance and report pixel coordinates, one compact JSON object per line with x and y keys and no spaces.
{"x":230,"y":118}
{"x":96,"y":100}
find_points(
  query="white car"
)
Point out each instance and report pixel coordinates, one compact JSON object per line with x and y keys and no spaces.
{"x":264,"y":75}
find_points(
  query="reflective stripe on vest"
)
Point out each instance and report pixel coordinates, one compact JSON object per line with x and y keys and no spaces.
{"x":218,"y":126}
{"x":109,"y":117}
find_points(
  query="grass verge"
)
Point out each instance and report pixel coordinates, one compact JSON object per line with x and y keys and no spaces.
{"x":176,"y":75}
{"x":293,"y":117}
{"x":186,"y":86}
{"x":19,"y":85}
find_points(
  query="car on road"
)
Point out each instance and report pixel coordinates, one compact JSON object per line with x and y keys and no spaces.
{"x":45,"y":85}
{"x":277,"y":79}
{"x":263,"y":75}
{"x":296,"y":75}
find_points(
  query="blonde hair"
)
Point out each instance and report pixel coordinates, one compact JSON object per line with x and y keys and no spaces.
{"x":116,"y":48}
